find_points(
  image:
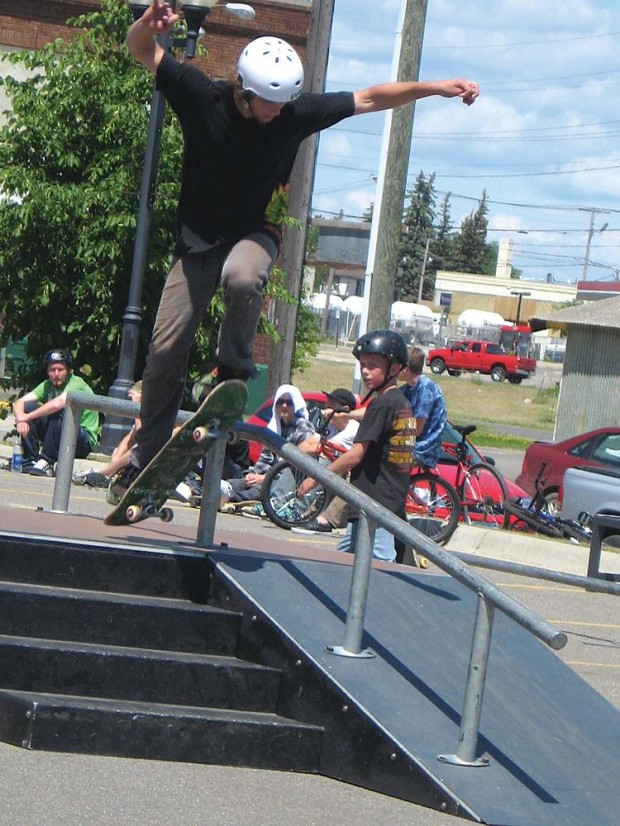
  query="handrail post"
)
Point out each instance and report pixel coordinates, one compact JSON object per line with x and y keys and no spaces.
{"x":212,"y":474}
{"x":474,"y":690}
{"x":66,"y":457}
{"x":358,"y":594}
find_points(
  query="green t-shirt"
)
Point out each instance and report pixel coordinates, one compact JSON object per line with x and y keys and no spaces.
{"x":89,"y":419}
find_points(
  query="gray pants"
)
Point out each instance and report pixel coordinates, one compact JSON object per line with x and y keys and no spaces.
{"x":243,"y":269}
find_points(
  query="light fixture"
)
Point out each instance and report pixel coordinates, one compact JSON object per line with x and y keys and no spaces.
{"x":195,"y":12}
{"x":241,"y":10}
{"x":138,"y":7}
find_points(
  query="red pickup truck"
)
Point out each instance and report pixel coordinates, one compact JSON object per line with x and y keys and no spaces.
{"x":481,"y":357}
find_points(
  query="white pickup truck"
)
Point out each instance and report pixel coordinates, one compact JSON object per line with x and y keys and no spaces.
{"x":590,"y":489}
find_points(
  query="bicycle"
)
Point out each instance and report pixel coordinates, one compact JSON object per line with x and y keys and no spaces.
{"x":279,"y":491}
{"x":536,"y":515}
{"x":481,"y":488}
{"x":432,"y":505}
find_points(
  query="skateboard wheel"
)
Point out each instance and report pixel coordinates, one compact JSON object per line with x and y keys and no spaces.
{"x":422,"y":562}
{"x":166,"y":514}
{"x":133,"y":513}
{"x":200,"y":434}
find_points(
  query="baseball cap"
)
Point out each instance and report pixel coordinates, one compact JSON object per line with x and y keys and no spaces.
{"x":342,"y":397}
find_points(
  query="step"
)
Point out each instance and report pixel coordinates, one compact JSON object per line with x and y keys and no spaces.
{"x":146,"y":675}
{"x":119,"y":569}
{"x":56,"y":722}
{"x":116,"y":619}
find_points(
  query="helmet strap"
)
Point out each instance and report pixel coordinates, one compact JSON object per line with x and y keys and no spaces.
{"x":387,"y":378}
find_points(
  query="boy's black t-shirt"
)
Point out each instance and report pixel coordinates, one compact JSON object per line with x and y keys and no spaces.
{"x":234,"y":167}
{"x":389,"y":427}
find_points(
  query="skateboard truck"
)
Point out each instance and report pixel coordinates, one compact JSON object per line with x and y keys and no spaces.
{"x":136,"y":513}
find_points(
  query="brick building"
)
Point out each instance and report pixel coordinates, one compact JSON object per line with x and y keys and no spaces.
{"x":30,"y":24}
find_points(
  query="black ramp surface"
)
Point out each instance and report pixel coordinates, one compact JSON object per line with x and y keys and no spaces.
{"x":551,"y":739}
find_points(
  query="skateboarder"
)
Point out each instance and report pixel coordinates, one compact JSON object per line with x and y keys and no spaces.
{"x":240,"y":142}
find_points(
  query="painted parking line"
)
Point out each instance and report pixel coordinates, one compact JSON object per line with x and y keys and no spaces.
{"x":581,"y":623}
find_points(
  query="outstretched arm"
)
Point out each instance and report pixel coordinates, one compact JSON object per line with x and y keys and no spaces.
{"x":391,"y":95}
{"x":157,"y":19}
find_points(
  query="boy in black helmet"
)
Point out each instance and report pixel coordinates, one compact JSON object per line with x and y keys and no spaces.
{"x":381,"y":458}
{"x":39,"y":413}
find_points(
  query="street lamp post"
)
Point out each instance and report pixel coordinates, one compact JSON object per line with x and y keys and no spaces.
{"x":195,"y":12}
{"x":520,"y":294}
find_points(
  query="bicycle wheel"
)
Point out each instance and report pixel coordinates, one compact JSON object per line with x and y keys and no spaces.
{"x":280,"y":500}
{"x":538,"y":521}
{"x":432,"y":506}
{"x":482,"y":494}
{"x":574,"y":531}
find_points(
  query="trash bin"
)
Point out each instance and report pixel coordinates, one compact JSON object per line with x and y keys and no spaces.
{"x":15,"y":356}
{"x":257,"y":389}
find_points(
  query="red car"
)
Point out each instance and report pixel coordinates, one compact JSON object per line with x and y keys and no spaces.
{"x":598,"y":448}
{"x":446,"y":466}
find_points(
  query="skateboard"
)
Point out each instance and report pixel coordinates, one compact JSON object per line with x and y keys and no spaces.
{"x":158,"y":480}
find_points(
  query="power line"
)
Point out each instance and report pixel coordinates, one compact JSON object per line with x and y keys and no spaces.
{"x":545,"y":42}
{"x":349,"y":44}
{"x":528,"y":174}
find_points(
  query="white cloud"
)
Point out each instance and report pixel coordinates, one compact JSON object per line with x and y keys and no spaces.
{"x":548,"y":74}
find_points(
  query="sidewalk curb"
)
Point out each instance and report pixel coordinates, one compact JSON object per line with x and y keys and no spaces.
{"x":529,"y":549}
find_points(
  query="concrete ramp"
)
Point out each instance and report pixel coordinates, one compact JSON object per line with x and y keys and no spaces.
{"x":551,"y":740}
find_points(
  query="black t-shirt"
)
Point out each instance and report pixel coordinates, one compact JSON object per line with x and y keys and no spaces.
{"x":389,"y":427}
{"x":232,"y":165}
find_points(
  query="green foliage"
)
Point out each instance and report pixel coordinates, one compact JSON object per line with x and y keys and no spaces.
{"x":471,"y":251}
{"x":463,"y":251}
{"x":71,"y":157}
{"x":419,"y":228}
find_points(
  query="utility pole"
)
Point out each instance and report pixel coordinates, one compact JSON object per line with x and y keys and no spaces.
{"x":301,"y":181}
{"x":586,"y":261}
{"x":423,"y":271}
{"x":388,"y":211}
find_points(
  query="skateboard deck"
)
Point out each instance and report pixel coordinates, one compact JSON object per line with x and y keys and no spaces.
{"x":158,"y":480}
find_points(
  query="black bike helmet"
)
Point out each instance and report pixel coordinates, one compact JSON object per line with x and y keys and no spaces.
{"x":386,"y":343}
{"x":58,"y":355}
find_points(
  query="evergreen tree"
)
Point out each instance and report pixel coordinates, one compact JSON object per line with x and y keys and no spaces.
{"x":419,"y":228}
{"x":470,"y":247}
{"x":442,"y":247}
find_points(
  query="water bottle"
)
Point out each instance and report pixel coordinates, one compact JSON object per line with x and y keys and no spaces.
{"x":17,"y":458}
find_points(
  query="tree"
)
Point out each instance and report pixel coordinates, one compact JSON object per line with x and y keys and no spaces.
{"x":71,"y":154}
{"x":471,"y":251}
{"x":444,"y":237}
{"x":419,"y":227}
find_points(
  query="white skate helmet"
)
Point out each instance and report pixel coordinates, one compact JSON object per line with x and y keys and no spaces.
{"x":271,"y":69}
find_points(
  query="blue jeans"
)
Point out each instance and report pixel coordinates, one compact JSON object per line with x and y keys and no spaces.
{"x":383,"y":546}
{"x":43,"y":440}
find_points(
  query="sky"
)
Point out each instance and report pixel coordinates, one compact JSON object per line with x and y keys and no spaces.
{"x":543,"y":139}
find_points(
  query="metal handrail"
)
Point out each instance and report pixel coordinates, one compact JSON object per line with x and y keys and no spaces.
{"x":371,"y":514}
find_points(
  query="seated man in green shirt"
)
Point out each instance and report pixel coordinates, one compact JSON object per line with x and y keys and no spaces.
{"x":39,"y":414}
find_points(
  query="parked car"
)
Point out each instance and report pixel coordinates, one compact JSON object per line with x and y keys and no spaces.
{"x":480,"y":357}
{"x":590,"y":490}
{"x":447,"y":463}
{"x":597,"y":448}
